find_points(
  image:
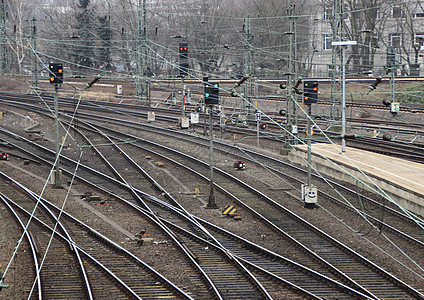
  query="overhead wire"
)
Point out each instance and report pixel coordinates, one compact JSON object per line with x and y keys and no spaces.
{"x":261,"y":50}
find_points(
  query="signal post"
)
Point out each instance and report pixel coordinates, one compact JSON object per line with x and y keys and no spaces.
{"x":211,"y":90}
{"x":56,"y":77}
{"x":310,"y":95}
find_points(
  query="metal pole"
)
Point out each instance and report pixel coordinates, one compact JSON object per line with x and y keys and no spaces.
{"x":392,"y":82}
{"x":57,"y":182}
{"x":344,"y":99}
{"x":204,"y":118}
{"x":142,"y":84}
{"x":257,"y":136}
{"x":183,"y":99}
{"x":247,"y":66}
{"x":309,"y":136}
{"x":34,"y":48}
{"x":211,"y":200}
{"x":291,"y":107}
{"x":3,"y":59}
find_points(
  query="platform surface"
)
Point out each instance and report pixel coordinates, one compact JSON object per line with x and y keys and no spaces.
{"x":407,"y":174}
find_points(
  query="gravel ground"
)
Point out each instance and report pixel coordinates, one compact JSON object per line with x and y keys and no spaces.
{"x":34,"y":177}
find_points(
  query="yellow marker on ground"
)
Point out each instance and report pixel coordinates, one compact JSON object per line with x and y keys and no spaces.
{"x":228,"y":210}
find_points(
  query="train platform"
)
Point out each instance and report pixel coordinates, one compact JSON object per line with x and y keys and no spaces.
{"x":401,"y":180}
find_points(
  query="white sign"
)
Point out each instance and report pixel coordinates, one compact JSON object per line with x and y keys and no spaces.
{"x":294,"y":129}
{"x":185,"y":123}
{"x":309,"y":193}
{"x":150,"y":116}
{"x":394,"y":107}
{"x":344,"y":43}
{"x":258,"y":116}
{"x":194,"y":118}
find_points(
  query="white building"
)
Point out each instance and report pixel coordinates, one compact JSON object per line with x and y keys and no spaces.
{"x":376,"y":29}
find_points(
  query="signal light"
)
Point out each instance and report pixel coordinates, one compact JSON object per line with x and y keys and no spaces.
{"x":310,"y":92}
{"x":263,"y":126}
{"x":239,"y":165}
{"x":183,"y":47}
{"x":56,"y":72}
{"x":211,"y":92}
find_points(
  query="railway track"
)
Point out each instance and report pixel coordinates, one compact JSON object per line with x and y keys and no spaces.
{"x":397,"y":218}
{"x":184,"y":163}
{"x":277,"y":290}
{"x":411,"y":150}
{"x":243,"y":194}
{"x":111,"y":270}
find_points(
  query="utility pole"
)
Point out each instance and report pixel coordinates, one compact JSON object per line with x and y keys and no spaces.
{"x":142,"y":84}
{"x":247,"y":67}
{"x":3,"y":61}
{"x":34,"y":51}
{"x":291,"y":115}
{"x":336,"y":53}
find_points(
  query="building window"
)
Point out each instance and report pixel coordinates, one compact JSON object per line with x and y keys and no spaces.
{"x":395,"y":40}
{"x":419,"y":39}
{"x":419,"y":15}
{"x":328,"y":13}
{"x":397,"y":12}
{"x":327,"y":39}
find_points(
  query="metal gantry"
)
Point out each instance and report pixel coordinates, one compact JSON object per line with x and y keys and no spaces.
{"x":291,"y":109}
{"x":337,"y":26}
{"x":3,"y":56}
{"x":142,"y":83}
{"x":247,"y":67}
{"x":34,"y":53}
